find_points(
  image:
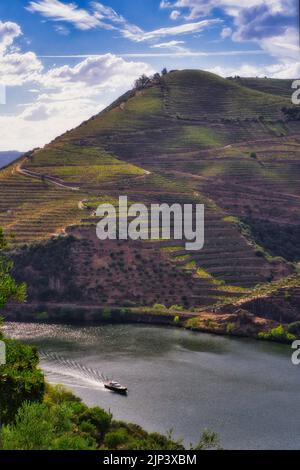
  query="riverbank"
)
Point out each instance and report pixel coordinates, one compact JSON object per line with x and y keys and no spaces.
{"x":246,"y":391}
{"x":240,"y":323}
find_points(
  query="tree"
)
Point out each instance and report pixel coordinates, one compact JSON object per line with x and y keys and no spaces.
{"x":142,"y":82}
{"x":164,"y":71}
{"x":9,"y":289}
{"x":20,"y":380}
{"x":156,"y":78}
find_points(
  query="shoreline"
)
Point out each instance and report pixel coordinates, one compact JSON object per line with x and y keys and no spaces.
{"x":203,"y":322}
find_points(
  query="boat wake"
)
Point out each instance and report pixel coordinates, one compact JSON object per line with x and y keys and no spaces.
{"x":70,"y":373}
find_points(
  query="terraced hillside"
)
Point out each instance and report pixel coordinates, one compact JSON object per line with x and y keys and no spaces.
{"x":192,"y":137}
{"x":267,"y":85}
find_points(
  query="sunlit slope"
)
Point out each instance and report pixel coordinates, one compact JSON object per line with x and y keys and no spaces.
{"x":187,"y":139}
{"x":189,"y":110}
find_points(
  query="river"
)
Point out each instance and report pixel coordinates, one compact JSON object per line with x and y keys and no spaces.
{"x":247,"y":391}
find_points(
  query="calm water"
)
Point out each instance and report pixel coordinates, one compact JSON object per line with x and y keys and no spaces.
{"x":247,"y":391}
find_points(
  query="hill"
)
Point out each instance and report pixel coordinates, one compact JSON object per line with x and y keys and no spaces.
{"x":189,"y":137}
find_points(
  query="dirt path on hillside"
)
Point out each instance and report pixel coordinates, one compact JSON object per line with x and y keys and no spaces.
{"x":50,"y":179}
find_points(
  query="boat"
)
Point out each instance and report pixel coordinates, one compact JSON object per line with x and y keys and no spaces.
{"x":115,"y":387}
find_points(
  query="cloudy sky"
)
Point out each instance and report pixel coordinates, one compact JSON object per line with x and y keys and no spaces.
{"x":63,"y":61}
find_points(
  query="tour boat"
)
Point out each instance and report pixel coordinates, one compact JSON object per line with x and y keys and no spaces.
{"x":115,"y":387}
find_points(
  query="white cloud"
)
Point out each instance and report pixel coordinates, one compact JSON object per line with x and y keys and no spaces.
{"x":175,"y":14}
{"x":106,"y":18}
{"x":272,"y":24}
{"x":226,"y":33}
{"x":70,"y":13}
{"x":61,"y":29}
{"x":8,"y":32}
{"x":186,"y":28}
{"x":40,"y":123}
{"x":171,"y":45}
{"x":70,"y":94}
{"x":288,"y":70}
{"x":104,"y":71}
{"x":17,"y":68}
{"x":199,"y":8}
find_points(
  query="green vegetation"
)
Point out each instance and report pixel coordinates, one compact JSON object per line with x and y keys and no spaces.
{"x":294,"y":328}
{"x":230,"y":328}
{"x":9,"y":289}
{"x":279,"y":333}
{"x":63,"y":422}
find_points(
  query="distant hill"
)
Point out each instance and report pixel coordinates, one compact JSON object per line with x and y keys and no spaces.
{"x":8,"y":157}
{"x":190,"y":137}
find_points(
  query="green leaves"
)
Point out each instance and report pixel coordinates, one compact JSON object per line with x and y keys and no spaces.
{"x":9,"y":289}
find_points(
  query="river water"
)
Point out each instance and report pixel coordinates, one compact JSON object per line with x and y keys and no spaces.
{"x":245,"y":390}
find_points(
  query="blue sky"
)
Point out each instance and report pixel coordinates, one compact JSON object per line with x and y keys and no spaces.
{"x":63,"y":61}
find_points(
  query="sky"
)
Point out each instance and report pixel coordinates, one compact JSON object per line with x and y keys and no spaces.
{"x":63,"y":61}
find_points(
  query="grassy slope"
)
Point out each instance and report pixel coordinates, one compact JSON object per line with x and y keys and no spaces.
{"x":194,"y":133}
{"x":274,"y":86}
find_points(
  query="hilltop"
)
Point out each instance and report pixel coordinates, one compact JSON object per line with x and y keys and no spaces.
{"x":190,"y":136}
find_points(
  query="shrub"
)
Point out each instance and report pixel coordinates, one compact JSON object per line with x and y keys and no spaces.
{"x":176,"y":319}
{"x":279,"y":333}
{"x":99,"y":418}
{"x":106,"y":315}
{"x":20,"y":379}
{"x":159,"y":307}
{"x":43,"y":316}
{"x":116,"y":438}
{"x":176,"y":308}
{"x":230,"y":327}
{"x":294,"y":328}
{"x":253,"y":155}
{"x":73,"y":442}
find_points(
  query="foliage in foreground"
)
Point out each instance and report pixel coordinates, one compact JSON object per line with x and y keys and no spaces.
{"x":63,"y":422}
{"x":20,"y":379}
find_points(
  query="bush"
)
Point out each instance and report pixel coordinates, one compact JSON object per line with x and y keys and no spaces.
{"x":253,"y":155}
{"x":294,"y":328}
{"x":230,"y":328}
{"x":20,"y":379}
{"x":57,"y":394}
{"x":159,"y":307}
{"x":73,"y":442}
{"x":40,"y":427}
{"x":176,"y":308}
{"x":106,"y":315}
{"x":279,"y":333}
{"x":43,"y":316}
{"x":99,"y":418}
{"x":176,"y":319}
{"x":116,"y":438}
